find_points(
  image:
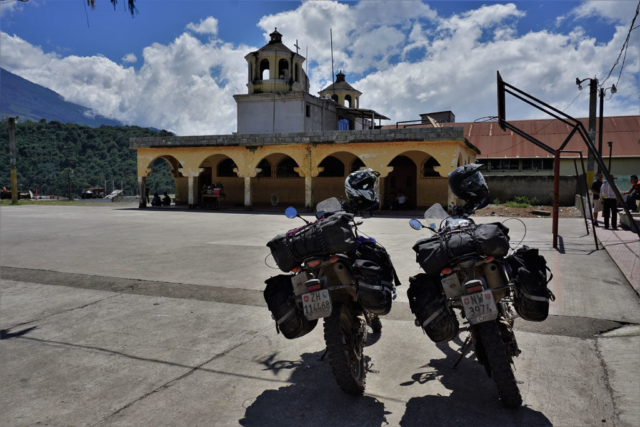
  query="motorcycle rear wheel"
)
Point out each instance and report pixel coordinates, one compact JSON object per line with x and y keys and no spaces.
{"x":376,"y":324}
{"x":499,"y":364}
{"x":342,"y":334}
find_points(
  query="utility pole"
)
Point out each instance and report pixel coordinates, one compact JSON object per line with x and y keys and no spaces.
{"x":601,"y":124}
{"x":12,"y":160}
{"x":593,"y":101}
{"x":69,"y":172}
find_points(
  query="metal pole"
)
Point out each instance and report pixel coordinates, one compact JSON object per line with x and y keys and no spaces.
{"x":579,"y":182}
{"x":610,"y":151}
{"x":332,"y":71}
{"x":12,"y":160}
{"x":601,"y":126}
{"x":593,"y":102}
{"x":556,"y":197}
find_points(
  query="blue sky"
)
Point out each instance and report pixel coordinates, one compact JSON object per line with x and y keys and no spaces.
{"x":415,"y":39}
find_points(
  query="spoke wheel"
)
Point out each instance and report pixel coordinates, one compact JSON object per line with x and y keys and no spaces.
{"x":499,"y":364}
{"x":344,"y":333}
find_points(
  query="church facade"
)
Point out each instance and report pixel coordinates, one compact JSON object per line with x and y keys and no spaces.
{"x":294,"y":148}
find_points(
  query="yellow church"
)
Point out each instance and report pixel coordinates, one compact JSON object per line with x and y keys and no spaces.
{"x":294,"y":148}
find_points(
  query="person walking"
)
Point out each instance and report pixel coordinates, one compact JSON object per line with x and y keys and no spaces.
{"x":610,"y":204}
{"x":597,"y":201}
{"x":633,"y":194}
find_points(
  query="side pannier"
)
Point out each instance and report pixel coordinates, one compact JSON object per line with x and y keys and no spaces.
{"x":324,"y":237}
{"x":529,"y":273}
{"x":375,"y":294}
{"x":281,"y":302}
{"x":373,"y":252}
{"x":428,"y":304}
{"x":435,"y":253}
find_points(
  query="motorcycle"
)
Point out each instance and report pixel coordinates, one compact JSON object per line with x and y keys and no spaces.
{"x":468,"y":269}
{"x":340,"y":283}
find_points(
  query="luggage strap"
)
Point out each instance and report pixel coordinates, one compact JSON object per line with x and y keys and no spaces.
{"x":283,"y":318}
{"x":433,"y":316}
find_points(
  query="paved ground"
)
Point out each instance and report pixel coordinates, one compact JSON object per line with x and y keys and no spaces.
{"x":624,"y":248}
{"x":115,"y":316}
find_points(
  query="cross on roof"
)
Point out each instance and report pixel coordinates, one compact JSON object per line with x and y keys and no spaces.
{"x":296,"y":46}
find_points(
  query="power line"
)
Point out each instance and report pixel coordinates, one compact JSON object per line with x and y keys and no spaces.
{"x":625,"y":48}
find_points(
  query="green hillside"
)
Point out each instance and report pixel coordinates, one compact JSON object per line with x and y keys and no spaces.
{"x":20,"y":97}
{"x":46,"y":151}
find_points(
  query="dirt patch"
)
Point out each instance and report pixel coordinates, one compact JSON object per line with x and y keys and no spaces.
{"x":501,"y":210}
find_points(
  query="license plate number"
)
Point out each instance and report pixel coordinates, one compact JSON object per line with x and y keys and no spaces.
{"x":480,"y":307}
{"x":316,"y":304}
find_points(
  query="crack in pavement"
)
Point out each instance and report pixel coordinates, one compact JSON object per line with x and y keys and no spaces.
{"x":607,"y":383}
{"x":173,"y":381}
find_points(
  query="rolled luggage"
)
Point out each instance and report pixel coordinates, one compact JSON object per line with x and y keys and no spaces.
{"x":374,"y":294}
{"x":529,"y":273}
{"x":435,"y":253}
{"x":281,"y":302}
{"x":324,"y":237}
{"x":427,"y":302}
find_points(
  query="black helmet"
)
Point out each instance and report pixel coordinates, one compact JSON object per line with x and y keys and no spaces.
{"x":360,"y":187}
{"x":468,"y":184}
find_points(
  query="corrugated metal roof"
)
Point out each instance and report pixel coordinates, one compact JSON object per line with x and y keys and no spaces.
{"x":493,"y":142}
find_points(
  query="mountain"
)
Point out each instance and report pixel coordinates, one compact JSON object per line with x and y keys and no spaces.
{"x":30,"y":101}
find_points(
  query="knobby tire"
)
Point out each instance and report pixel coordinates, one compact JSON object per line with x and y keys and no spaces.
{"x":338,"y":348}
{"x":501,"y":371}
{"x":376,"y":324}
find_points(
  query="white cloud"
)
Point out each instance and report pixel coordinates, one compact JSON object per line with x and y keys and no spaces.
{"x":413,"y":61}
{"x":185,"y":86}
{"x":7,"y":8}
{"x":612,"y":11}
{"x":129,"y":57}
{"x":206,"y":26}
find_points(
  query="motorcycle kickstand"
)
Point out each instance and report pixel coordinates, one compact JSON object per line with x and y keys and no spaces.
{"x":465,"y":348}
{"x":323,"y":354}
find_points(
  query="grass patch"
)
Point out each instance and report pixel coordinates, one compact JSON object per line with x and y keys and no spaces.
{"x":518,"y":202}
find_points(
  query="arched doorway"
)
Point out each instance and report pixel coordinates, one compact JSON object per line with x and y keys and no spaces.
{"x":165,"y":178}
{"x":330,"y":182}
{"x":279,"y":181}
{"x":218,"y":171}
{"x":402,"y":180}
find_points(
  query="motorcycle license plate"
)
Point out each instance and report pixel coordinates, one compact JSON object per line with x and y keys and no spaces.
{"x":480,"y":307}
{"x":316,"y":304}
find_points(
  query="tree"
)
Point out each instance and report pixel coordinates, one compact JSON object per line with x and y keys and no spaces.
{"x":131,"y":4}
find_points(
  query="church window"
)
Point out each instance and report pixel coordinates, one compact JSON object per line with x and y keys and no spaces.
{"x":333,"y":167}
{"x":345,"y":124}
{"x":298,"y":74}
{"x":286,"y":168}
{"x":266,"y":169}
{"x":264,"y":69}
{"x":334,"y":97}
{"x":428,"y":170}
{"x":225,"y":168}
{"x":347,"y":101}
{"x":283,"y":69}
{"x":250,"y":73}
{"x":308,"y":110}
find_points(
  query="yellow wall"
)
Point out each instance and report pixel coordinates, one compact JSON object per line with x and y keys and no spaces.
{"x":190,"y":160}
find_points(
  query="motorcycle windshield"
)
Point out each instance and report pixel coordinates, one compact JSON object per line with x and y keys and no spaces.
{"x":330,"y":205}
{"x":434,"y":215}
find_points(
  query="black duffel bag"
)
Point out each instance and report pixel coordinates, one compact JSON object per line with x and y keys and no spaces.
{"x":437,"y":252}
{"x":529,"y":273}
{"x":427,"y":302}
{"x":373,"y":252}
{"x":374,"y":293}
{"x":281,"y":302}
{"x":327,"y":236}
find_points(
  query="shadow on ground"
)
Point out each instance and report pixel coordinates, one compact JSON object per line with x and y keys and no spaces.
{"x":473,"y":400}
{"x":313,"y":398}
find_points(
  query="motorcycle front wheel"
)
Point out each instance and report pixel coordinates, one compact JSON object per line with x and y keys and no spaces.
{"x":343,"y":334}
{"x":499,"y":363}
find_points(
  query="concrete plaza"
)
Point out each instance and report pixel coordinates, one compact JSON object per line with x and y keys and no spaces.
{"x":112,"y":315}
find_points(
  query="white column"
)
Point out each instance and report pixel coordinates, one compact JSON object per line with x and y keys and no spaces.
{"x":191,"y":195}
{"x":247,"y":192}
{"x":308,"y":192}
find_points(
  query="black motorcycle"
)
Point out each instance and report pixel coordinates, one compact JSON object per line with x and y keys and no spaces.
{"x":468,"y":268}
{"x":337,"y":275}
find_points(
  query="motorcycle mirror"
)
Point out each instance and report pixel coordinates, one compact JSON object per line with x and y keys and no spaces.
{"x":291,"y":212}
{"x":415,"y":224}
{"x":359,"y":223}
{"x":320,"y":214}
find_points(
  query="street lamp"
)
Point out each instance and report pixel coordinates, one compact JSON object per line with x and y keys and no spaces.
{"x":593,"y":99}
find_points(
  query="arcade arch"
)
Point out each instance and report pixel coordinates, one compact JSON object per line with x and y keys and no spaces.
{"x":221,"y":169}
{"x":284,"y":181}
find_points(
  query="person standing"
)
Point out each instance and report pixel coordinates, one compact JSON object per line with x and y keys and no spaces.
{"x":634,"y":194}
{"x":610,"y":204}
{"x":597,"y":201}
